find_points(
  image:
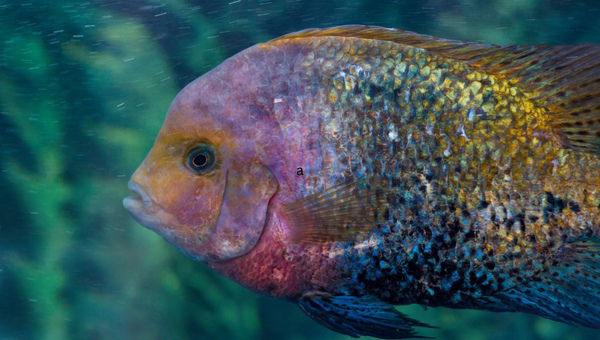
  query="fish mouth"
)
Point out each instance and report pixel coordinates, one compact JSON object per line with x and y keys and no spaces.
{"x":143,"y":201}
{"x":147,"y":212}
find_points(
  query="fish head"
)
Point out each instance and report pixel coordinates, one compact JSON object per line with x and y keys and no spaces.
{"x":202,"y":186}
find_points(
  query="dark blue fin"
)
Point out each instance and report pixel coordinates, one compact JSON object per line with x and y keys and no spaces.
{"x":358,"y":316}
{"x":568,"y":292}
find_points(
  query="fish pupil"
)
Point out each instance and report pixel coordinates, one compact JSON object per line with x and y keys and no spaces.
{"x":201,"y":159}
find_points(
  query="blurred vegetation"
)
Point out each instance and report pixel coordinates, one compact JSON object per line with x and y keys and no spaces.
{"x":84,"y":86}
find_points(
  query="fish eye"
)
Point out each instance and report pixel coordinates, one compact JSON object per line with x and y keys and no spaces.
{"x":201,"y":158}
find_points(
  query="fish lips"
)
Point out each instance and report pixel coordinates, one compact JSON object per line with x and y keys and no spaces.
{"x":146,"y":212}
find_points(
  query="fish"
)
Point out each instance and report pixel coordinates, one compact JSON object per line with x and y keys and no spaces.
{"x":355,"y":168}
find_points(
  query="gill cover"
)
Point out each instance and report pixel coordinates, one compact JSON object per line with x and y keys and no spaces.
{"x":243,"y":214}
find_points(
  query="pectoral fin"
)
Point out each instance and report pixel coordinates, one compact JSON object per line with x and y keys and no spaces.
{"x":359,"y":316}
{"x":339,"y":213}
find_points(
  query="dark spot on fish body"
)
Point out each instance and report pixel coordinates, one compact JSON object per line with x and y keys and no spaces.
{"x":521,"y":218}
{"x":448,"y":267}
{"x":514,"y":242}
{"x":509,"y":223}
{"x":386,"y":214}
{"x":530,"y":238}
{"x":482,"y":280}
{"x":470,"y":235}
{"x":398,"y":94}
{"x":490,"y":265}
{"x":453,"y":227}
{"x":574,"y":207}
{"x":375,"y":90}
{"x":519,"y":279}
{"x":472,"y":278}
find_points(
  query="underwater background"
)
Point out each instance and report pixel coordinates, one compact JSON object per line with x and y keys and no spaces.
{"x":84,"y":88}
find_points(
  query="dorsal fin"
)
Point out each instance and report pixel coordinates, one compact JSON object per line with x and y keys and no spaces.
{"x":563,"y":79}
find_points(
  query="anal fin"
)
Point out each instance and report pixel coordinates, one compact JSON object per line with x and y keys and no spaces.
{"x":359,"y":316}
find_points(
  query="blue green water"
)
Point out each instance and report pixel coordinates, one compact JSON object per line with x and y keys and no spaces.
{"x":84,"y":86}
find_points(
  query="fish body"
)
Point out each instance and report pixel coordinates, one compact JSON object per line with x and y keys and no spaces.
{"x":355,"y":168}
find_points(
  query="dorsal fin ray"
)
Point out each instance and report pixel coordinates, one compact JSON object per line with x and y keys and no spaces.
{"x":565,"y":80}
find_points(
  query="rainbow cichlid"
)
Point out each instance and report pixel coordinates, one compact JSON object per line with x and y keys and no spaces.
{"x":355,"y":168}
